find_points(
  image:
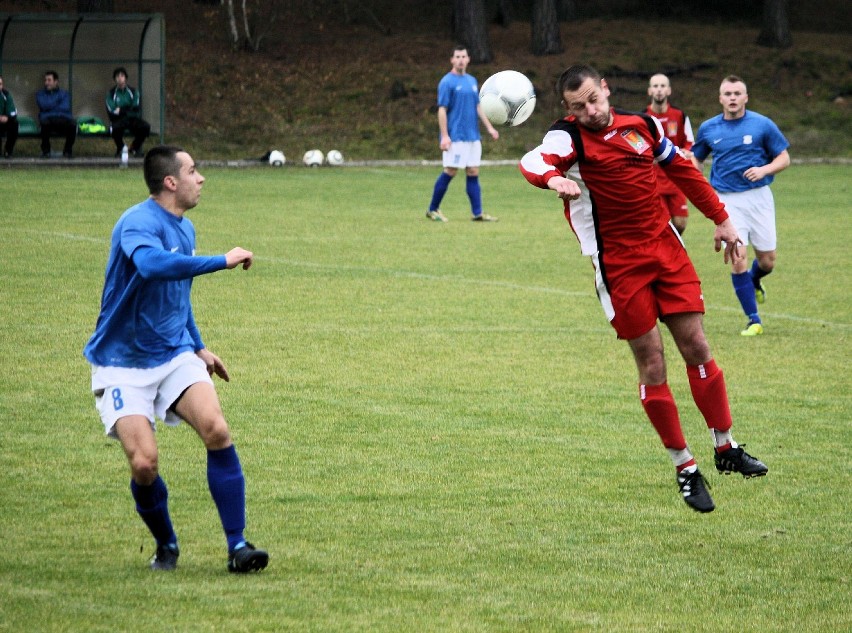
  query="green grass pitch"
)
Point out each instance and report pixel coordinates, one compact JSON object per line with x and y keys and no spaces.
{"x":439,"y":430}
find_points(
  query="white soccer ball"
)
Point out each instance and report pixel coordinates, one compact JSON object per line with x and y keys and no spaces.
{"x":507,"y":98}
{"x":276,"y":158}
{"x":334,"y":157}
{"x":313,"y":158}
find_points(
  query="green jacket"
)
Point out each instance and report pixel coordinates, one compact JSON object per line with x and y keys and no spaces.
{"x":7,"y":104}
{"x":126,"y":101}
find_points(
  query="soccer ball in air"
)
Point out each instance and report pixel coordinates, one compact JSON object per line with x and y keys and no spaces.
{"x":276,"y":158}
{"x":313,"y":158}
{"x":507,"y":98}
{"x":334,"y":157}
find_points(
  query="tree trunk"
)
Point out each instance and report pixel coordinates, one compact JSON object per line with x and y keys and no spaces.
{"x":470,"y":29}
{"x":775,"y":31}
{"x":232,"y":24}
{"x":546,"y":39}
{"x":95,"y":6}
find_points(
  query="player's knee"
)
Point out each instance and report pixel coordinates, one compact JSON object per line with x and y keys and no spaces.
{"x":144,"y":469}
{"x":216,"y":435}
{"x":766,"y":261}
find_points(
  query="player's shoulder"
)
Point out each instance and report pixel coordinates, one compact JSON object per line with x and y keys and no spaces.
{"x":624,"y":115}
{"x":446,"y":79}
{"x":712,"y":122}
{"x":757,"y":117}
{"x":565,"y":124}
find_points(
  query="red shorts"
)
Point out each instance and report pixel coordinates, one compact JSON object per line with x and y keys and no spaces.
{"x":639,"y":285}
{"x":675,"y":204}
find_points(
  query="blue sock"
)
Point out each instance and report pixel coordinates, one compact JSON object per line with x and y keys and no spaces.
{"x":757,"y":273}
{"x":475,"y":194}
{"x":744,"y":288}
{"x":152,"y":504}
{"x":228,"y":489}
{"x":441,"y":185}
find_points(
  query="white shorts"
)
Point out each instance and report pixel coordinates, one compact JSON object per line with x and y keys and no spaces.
{"x":123,"y":391}
{"x":463,"y":154}
{"x":753,"y":214}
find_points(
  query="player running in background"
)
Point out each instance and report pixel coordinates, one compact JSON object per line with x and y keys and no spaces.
{"x":748,"y":150}
{"x":642,"y":271}
{"x":459,"y":114}
{"x":148,"y":359}
{"x":677,"y":127}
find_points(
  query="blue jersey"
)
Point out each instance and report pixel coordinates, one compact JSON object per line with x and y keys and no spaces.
{"x":753,"y":140}
{"x":146,"y":316}
{"x":459,"y":94}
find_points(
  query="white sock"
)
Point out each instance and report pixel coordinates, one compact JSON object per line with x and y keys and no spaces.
{"x":680,"y":457}
{"x":720,"y":438}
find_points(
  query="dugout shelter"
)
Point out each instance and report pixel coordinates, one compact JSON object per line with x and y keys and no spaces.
{"x":84,"y":49}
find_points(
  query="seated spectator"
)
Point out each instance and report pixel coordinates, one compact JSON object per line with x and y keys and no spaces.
{"x":123,"y":107}
{"x":54,"y":115}
{"x":8,"y":121}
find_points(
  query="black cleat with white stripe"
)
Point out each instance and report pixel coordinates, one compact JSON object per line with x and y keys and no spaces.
{"x":736,"y":460}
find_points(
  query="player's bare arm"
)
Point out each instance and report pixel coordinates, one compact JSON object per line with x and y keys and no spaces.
{"x":727,"y":233}
{"x":566,"y":188}
{"x":442,"y":125}
{"x":488,"y":126}
{"x":214,"y":364}
{"x":237,"y":256}
{"x":778,"y":164}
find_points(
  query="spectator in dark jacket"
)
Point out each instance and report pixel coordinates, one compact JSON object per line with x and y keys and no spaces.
{"x":8,"y":121}
{"x":54,"y":115}
{"x":124,"y":109}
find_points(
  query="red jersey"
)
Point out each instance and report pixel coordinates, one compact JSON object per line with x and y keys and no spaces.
{"x":615,"y":167}
{"x":678,"y":129}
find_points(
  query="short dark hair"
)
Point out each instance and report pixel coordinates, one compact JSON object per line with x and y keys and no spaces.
{"x":120,"y":70}
{"x":160,"y":161}
{"x":52,"y":73}
{"x":732,"y":79}
{"x":573,"y":77}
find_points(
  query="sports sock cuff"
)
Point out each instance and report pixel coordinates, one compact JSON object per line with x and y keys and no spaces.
{"x":223,"y":458}
{"x":147,"y":497}
{"x":703,"y":371}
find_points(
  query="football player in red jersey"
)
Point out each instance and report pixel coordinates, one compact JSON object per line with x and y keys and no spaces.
{"x":602,"y":163}
{"x":678,"y":128}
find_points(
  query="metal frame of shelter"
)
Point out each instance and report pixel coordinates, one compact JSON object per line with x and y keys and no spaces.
{"x":84,"y":50}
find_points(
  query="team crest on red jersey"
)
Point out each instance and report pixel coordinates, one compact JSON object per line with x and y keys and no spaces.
{"x":635,"y":141}
{"x":671,"y":129}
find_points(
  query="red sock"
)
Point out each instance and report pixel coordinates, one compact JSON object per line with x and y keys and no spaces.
{"x":661,"y":409}
{"x":707,"y":383}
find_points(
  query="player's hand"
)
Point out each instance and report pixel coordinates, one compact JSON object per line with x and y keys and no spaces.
{"x":494,"y":133}
{"x":214,"y":364}
{"x":753,"y":174}
{"x":727,"y":233}
{"x":237,"y":256}
{"x":445,"y":143}
{"x":566,"y":188}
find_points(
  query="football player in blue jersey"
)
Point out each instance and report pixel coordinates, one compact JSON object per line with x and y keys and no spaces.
{"x":459,"y":114}
{"x":149,"y":361}
{"x":748,"y":150}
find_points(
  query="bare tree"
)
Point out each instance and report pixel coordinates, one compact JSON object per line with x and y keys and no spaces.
{"x":256,"y":19}
{"x":546,"y":39}
{"x":775,"y":31}
{"x":470,"y":29}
